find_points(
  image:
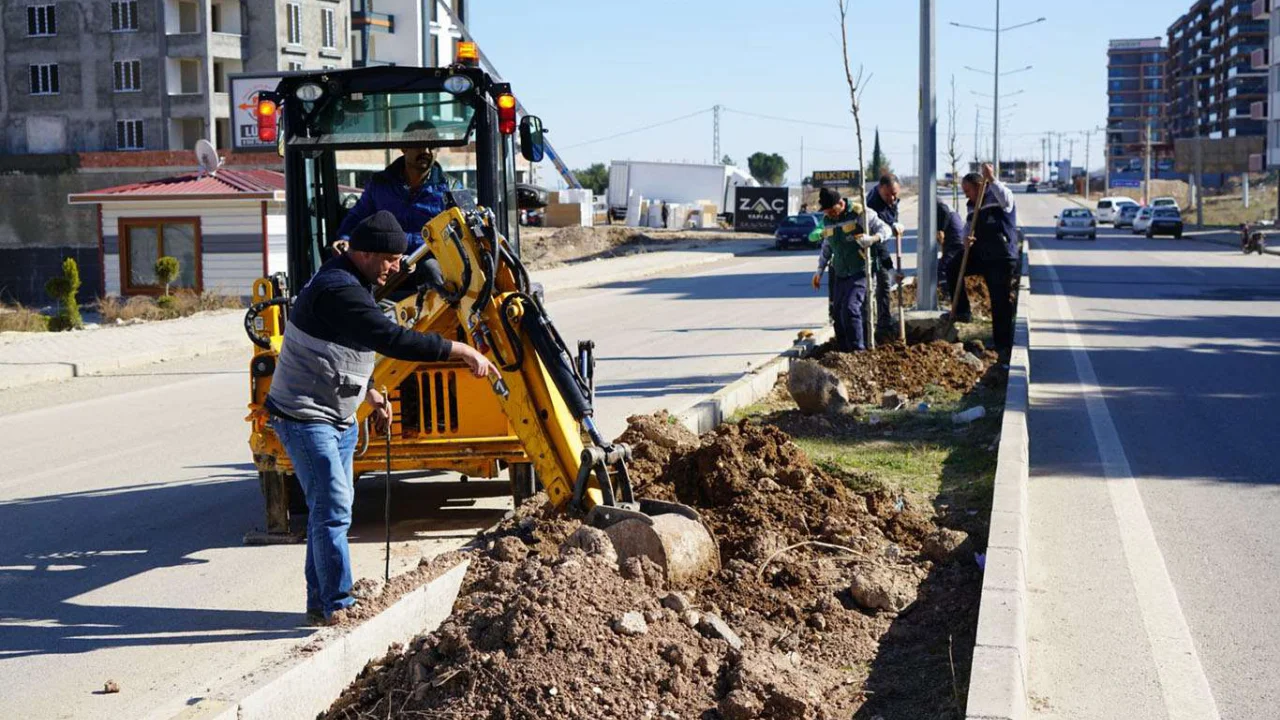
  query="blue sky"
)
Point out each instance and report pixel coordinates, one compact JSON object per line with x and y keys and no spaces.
{"x":595,"y":68}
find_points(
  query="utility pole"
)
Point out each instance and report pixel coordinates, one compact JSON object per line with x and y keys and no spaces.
{"x":801,"y":161}
{"x":926,"y":240}
{"x":975,"y":135}
{"x":1106,"y":163}
{"x":1146,"y":166}
{"x":715,"y":135}
{"x":995,"y":101}
{"x":1087,"y":137}
{"x":1199,"y":159}
{"x":1071,"y":160}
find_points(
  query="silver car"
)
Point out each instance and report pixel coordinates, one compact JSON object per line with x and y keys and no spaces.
{"x":1076,"y":221}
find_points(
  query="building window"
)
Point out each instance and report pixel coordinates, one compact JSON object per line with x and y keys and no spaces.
{"x":143,"y":241}
{"x":293,"y":12}
{"x":41,"y":21}
{"x":129,"y":134}
{"x":44,"y":79}
{"x":328,"y":37}
{"x":124,"y":15}
{"x":295,"y":67}
{"x":128,"y":75}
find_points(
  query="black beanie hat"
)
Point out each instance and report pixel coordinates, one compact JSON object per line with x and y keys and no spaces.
{"x":828,"y":198}
{"x":380,"y":233}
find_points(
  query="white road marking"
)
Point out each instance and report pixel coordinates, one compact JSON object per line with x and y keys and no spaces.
{"x":1183,"y":683}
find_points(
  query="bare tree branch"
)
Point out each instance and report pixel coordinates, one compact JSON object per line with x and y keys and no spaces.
{"x":855,"y":104}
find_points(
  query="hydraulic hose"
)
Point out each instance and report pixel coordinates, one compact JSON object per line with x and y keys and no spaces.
{"x":252,"y":315}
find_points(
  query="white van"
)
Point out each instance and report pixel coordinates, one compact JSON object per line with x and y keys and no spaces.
{"x":1108,"y":207}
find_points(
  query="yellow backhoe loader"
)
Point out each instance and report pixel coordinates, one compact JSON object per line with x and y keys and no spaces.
{"x":536,"y":422}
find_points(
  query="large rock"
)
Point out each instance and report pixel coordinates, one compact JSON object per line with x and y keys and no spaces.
{"x":880,"y":588}
{"x":815,"y":388}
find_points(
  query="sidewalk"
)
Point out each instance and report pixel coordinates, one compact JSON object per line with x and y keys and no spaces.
{"x":29,"y":358}
{"x":1224,"y":236}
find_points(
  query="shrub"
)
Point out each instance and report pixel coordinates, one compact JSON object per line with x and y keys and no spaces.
{"x":17,"y":318}
{"x":63,"y":290}
{"x":167,"y":271}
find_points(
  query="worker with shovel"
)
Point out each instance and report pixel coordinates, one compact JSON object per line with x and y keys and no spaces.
{"x":991,"y":251}
{"x":322,"y":377}
{"x":883,"y":201}
{"x":849,"y":233}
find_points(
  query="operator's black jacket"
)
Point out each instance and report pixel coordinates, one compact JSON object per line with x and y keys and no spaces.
{"x":330,"y":341}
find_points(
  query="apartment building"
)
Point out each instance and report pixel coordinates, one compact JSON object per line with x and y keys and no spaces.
{"x":106,"y":75}
{"x":1211,"y":76}
{"x":419,"y":33}
{"x":1270,"y":58}
{"x":1136,"y":105}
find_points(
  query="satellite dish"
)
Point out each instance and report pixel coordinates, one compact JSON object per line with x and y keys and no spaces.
{"x":207,"y":157}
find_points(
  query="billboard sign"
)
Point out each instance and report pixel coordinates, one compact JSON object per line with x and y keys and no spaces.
{"x":1217,"y":155}
{"x":852,"y":178}
{"x":759,"y":209}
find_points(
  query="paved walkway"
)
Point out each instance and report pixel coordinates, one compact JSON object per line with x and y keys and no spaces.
{"x":28,"y":358}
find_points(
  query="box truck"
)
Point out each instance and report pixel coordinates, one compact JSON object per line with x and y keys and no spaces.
{"x":683,"y":183}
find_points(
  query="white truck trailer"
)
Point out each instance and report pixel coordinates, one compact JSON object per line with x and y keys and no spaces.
{"x":683,"y":183}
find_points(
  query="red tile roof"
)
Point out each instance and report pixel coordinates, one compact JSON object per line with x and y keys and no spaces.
{"x":226,"y":184}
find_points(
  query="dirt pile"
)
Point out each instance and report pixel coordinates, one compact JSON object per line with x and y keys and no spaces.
{"x":541,"y":248}
{"x":813,"y":577}
{"x":975,"y":286}
{"x":909,"y":369}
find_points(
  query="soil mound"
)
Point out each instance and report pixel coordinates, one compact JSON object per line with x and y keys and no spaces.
{"x":906,"y":369}
{"x":813,"y":577}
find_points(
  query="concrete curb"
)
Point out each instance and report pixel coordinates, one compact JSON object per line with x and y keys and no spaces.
{"x":588,"y":275}
{"x":307,"y":688}
{"x":706,"y":414}
{"x":998,"y":678}
{"x":1227,"y":243}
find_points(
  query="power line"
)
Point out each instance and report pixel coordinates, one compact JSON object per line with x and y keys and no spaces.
{"x":640,"y":129}
{"x":809,"y":122}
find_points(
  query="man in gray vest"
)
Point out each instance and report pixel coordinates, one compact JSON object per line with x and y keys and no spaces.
{"x":334,"y":332}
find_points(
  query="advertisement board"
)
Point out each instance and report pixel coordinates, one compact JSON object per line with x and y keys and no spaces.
{"x":759,"y":209}
{"x":244,"y":89}
{"x":852,"y":178}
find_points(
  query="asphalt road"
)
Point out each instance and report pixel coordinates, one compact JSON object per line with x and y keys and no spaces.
{"x":1155,"y":574}
{"x":123,"y":499}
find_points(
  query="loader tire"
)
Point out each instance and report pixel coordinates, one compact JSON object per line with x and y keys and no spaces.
{"x":524,"y":483}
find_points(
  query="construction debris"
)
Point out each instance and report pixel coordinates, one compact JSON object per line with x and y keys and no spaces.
{"x":905,"y":370}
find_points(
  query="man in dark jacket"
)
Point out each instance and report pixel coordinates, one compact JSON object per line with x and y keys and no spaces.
{"x":883,"y":201}
{"x":992,"y":232}
{"x":849,"y":233}
{"x":321,"y":377}
{"x":412,"y":189}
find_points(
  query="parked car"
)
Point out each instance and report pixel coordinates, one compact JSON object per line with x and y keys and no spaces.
{"x":1165,"y":220}
{"x":1108,"y":206}
{"x":1142,"y":220}
{"x":1126,"y":214}
{"x":1076,"y":221}
{"x":1165,"y":202}
{"x":805,"y":230}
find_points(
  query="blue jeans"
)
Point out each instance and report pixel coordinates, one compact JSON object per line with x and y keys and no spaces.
{"x":321,"y":456}
{"x":849,"y":292}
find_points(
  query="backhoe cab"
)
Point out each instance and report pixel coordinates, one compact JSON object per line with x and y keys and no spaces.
{"x":530,"y":422}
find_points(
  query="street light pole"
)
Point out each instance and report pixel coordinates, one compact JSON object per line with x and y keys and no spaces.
{"x":926,"y":240}
{"x":995,"y":102}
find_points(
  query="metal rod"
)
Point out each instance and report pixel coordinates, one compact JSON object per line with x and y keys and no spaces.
{"x":386,"y":492}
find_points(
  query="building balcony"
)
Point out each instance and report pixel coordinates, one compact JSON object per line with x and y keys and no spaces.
{"x":227,"y":45}
{"x":1261,"y":9}
{"x":189,"y":105}
{"x":1257,"y":110}
{"x":179,"y":45}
